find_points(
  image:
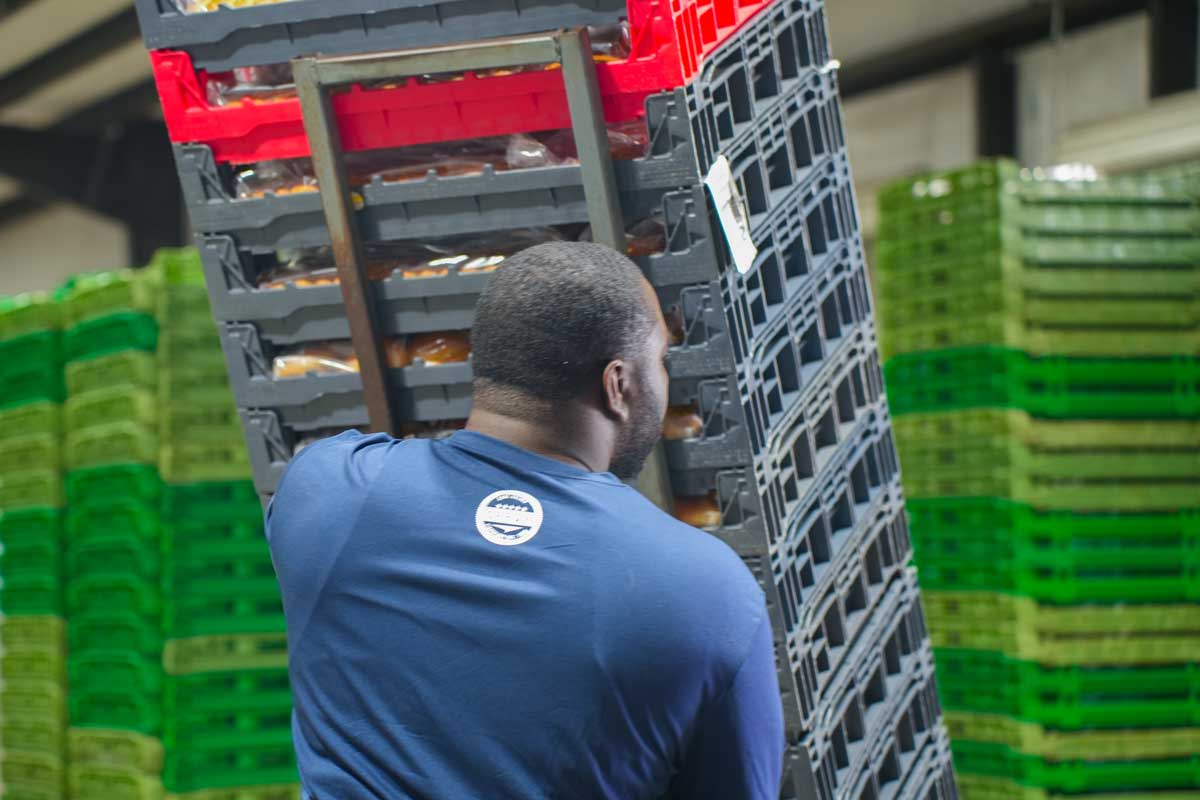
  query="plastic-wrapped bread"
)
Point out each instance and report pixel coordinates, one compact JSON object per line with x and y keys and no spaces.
{"x":333,"y":358}
{"x":682,"y":422}
{"x":443,"y":347}
{"x":699,"y":512}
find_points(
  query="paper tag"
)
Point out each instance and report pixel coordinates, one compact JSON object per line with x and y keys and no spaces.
{"x":731,"y":211}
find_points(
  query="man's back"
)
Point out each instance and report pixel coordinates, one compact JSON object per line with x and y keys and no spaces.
{"x":467,"y":619}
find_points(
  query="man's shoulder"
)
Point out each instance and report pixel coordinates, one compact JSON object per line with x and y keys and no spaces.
{"x":333,"y":468}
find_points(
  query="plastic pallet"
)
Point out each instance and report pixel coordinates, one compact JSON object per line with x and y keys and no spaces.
{"x":1036,"y":740}
{"x":1076,"y":776}
{"x":122,"y":330}
{"x":1045,"y":387}
{"x":1056,"y":557}
{"x":474,"y":106}
{"x":1069,"y":698}
{"x":217,"y":653}
{"x":116,"y":747}
{"x":1079,"y":635}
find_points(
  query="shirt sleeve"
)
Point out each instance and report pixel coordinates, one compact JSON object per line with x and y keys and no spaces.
{"x":736,"y":752}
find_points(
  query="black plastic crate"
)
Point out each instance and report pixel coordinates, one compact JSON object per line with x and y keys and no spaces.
{"x":235,"y":37}
{"x":900,"y":774}
{"x":776,"y":55}
{"x":883,"y":703}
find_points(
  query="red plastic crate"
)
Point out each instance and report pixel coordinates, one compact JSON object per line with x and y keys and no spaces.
{"x":670,"y":38}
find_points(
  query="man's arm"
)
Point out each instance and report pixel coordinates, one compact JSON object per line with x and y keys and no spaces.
{"x":736,"y":752}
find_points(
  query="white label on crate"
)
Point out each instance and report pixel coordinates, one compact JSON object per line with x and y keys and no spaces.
{"x":731,"y":210}
{"x":509,"y":517}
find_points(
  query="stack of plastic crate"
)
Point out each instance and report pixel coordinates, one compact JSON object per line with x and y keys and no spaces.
{"x":1042,"y":337}
{"x":780,"y":440}
{"x":113,"y":535}
{"x":32,"y":630}
{"x":226,"y":702}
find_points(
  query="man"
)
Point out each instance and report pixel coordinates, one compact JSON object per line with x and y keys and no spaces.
{"x":496,"y":615}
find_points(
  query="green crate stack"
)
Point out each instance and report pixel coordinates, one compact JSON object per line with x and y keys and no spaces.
{"x":227,"y":702}
{"x":113,"y":536}
{"x":33,"y":630}
{"x":1042,"y":339}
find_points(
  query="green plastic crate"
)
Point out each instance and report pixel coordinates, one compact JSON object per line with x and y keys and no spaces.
{"x":1075,"y":776}
{"x":93,"y":632}
{"x":113,"y":708}
{"x":114,"y":594}
{"x":27,"y":697}
{"x":115,"y":668}
{"x":107,"y":782}
{"x":36,"y":631}
{"x":208,"y":416}
{"x":1037,"y":740}
{"x":282,"y":791}
{"x":217,"y":653}
{"x":974,"y":377}
{"x":115,"y":483}
{"x":42,"y":417}
{"x":17,"y":354}
{"x":991,"y":544}
{"x":125,"y":330}
{"x":106,"y":553}
{"x":31,"y":312}
{"x":218,"y":459}
{"x":33,"y":382}
{"x":134,"y":368}
{"x":43,"y":734}
{"x":944,"y":188}
{"x":97,"y":294}
{"x":236,"y":607}
{"x":31,"y":489}
{"x":40,"y":771}
{"x":113,"y":443}
{"x":217,"y":502}
{"x":1092,"y":635}
{"x":116,"y":747}
{"x":225,"y":691}
{"x":271,"y":762}
{"x":119,"y":516}
{"x":261,"y":720}
{"x":32,"y":452}
{"x":27,"y":595}
{"x":40,"y":664}
{"x":987,"y":787}
{"x":32,"y":542}
{"x":115,"y":404}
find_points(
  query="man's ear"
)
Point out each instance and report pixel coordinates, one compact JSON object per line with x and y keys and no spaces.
{"x":615,"y":385}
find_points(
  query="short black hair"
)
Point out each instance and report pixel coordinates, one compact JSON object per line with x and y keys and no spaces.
{"x":554,"y":315}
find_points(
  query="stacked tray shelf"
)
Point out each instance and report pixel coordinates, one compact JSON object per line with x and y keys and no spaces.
{"x":1045,"y":375}
{"x":785,"y":449}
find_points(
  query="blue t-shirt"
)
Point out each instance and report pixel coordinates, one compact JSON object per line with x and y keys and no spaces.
{"x":467,"y":619}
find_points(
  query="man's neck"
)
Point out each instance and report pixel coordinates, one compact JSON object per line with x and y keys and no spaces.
{"x":561,"y":437}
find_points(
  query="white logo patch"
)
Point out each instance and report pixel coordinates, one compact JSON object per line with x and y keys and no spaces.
{"x":508,"y":517}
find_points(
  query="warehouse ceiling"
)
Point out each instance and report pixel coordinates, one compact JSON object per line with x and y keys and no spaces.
{"x":78,"y":67}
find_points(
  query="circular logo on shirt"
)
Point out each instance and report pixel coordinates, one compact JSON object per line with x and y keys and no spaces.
{"x":508,"y":517}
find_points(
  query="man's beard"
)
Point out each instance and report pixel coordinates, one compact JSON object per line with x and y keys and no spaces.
{"x":636,"y":443}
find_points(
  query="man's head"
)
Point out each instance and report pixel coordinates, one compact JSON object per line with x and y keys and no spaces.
{"x":573,"y":330}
